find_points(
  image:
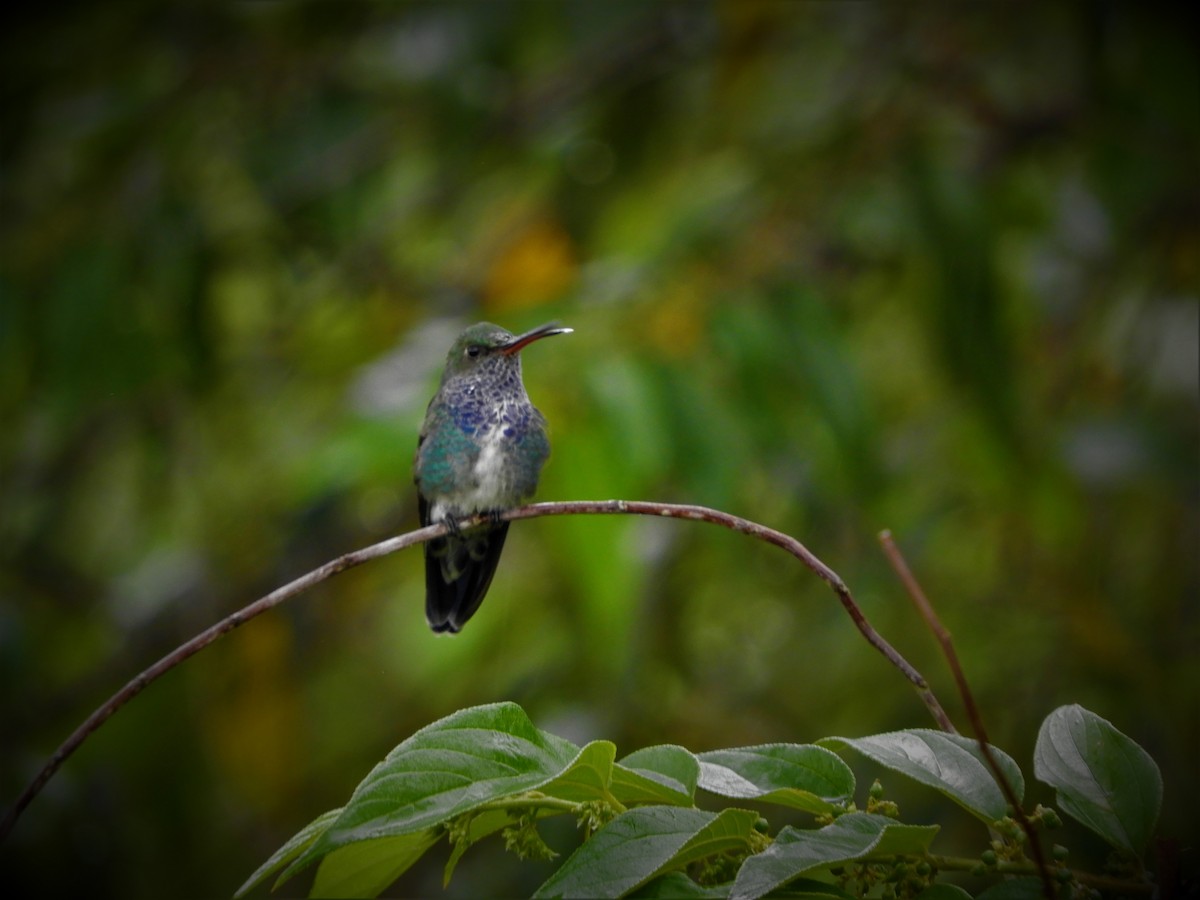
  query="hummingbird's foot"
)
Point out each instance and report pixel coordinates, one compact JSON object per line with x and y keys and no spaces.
{"x":455,"y":527}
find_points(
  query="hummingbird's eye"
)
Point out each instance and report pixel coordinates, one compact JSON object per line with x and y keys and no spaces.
{"x":474,"y":350}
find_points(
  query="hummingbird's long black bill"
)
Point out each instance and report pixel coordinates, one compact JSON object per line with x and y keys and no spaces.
{"x":524,"y":340}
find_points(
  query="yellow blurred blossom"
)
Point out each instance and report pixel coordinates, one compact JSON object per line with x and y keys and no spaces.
{"x":536,"y":266}
{"x":675,"y":324}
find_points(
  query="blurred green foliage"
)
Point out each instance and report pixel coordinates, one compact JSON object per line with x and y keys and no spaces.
{"x":833,"y":267}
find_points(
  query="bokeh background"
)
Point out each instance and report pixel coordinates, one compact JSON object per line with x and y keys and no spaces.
{"x":832,"y":267}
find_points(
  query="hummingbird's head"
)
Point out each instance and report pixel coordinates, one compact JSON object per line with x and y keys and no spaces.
{"x":484,"y":345}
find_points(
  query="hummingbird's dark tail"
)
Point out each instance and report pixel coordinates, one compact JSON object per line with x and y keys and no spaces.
{"x":458,"y":572}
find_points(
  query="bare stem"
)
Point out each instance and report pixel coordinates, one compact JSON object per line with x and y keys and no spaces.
{"x":946,"y":642}
{"x":400,"y":542}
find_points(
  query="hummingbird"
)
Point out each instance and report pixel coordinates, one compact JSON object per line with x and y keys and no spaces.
{"x":481,"y":449}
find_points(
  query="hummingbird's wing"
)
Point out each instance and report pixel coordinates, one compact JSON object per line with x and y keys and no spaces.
{"x":458,"y":571}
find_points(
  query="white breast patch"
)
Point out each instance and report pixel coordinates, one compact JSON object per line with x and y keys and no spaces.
{"x":488,"y":488}
{"x":489,"y":468}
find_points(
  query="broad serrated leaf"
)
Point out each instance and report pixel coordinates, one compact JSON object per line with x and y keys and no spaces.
{"x":643,"y":843}
{"x":801,"y":776}
{"x":731,"y":830}
{"x":365,"y":868}
{"x":296,"y":845}
{"x":949,"y":763}
{"x":587,"y":777}
{"x":1103,"y":778}
{"x":450,"y":767}
{"x":664,"y":774}
{"x":635,"y":788}
{"x":677,"y":886}
{"x":854,"y":836}
{"x":815,"y":887}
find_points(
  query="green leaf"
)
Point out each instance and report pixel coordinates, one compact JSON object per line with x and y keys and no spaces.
{"x":815,"y":887}
{"x":453,"y":766}
{"x":945,"y":891}
{"x":854,"y":836}
{"x":587,"y":777}
{"x":729,"y":831}
{"x":289,"y":851}
{"x":1103,"y":778}
{"x":365,"y":868}
{"x":677,"y":886}
{"x":626,"y":853}
{"x":1014,"y":889}
{"x":665,"y":774}
{"x":802,"y":776}
{"x":644,"y":842}
{"x":818,"y":891}
{"x":949,"y":763}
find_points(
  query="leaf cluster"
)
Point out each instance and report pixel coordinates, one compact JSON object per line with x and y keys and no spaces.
{"x":488,"y":769}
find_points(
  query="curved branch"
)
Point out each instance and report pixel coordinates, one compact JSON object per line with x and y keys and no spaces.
{"x":400,"y":542}
{"x":946,"y":642}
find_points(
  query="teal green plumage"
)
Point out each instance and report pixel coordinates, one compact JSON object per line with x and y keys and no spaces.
{"x":481,"y":450}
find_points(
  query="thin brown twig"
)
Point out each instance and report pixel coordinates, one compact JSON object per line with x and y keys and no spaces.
{"x":400,"y":542}
{"x":946,"y":642}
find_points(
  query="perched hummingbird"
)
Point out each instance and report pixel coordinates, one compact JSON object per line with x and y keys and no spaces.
{"x":481,"y":449}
